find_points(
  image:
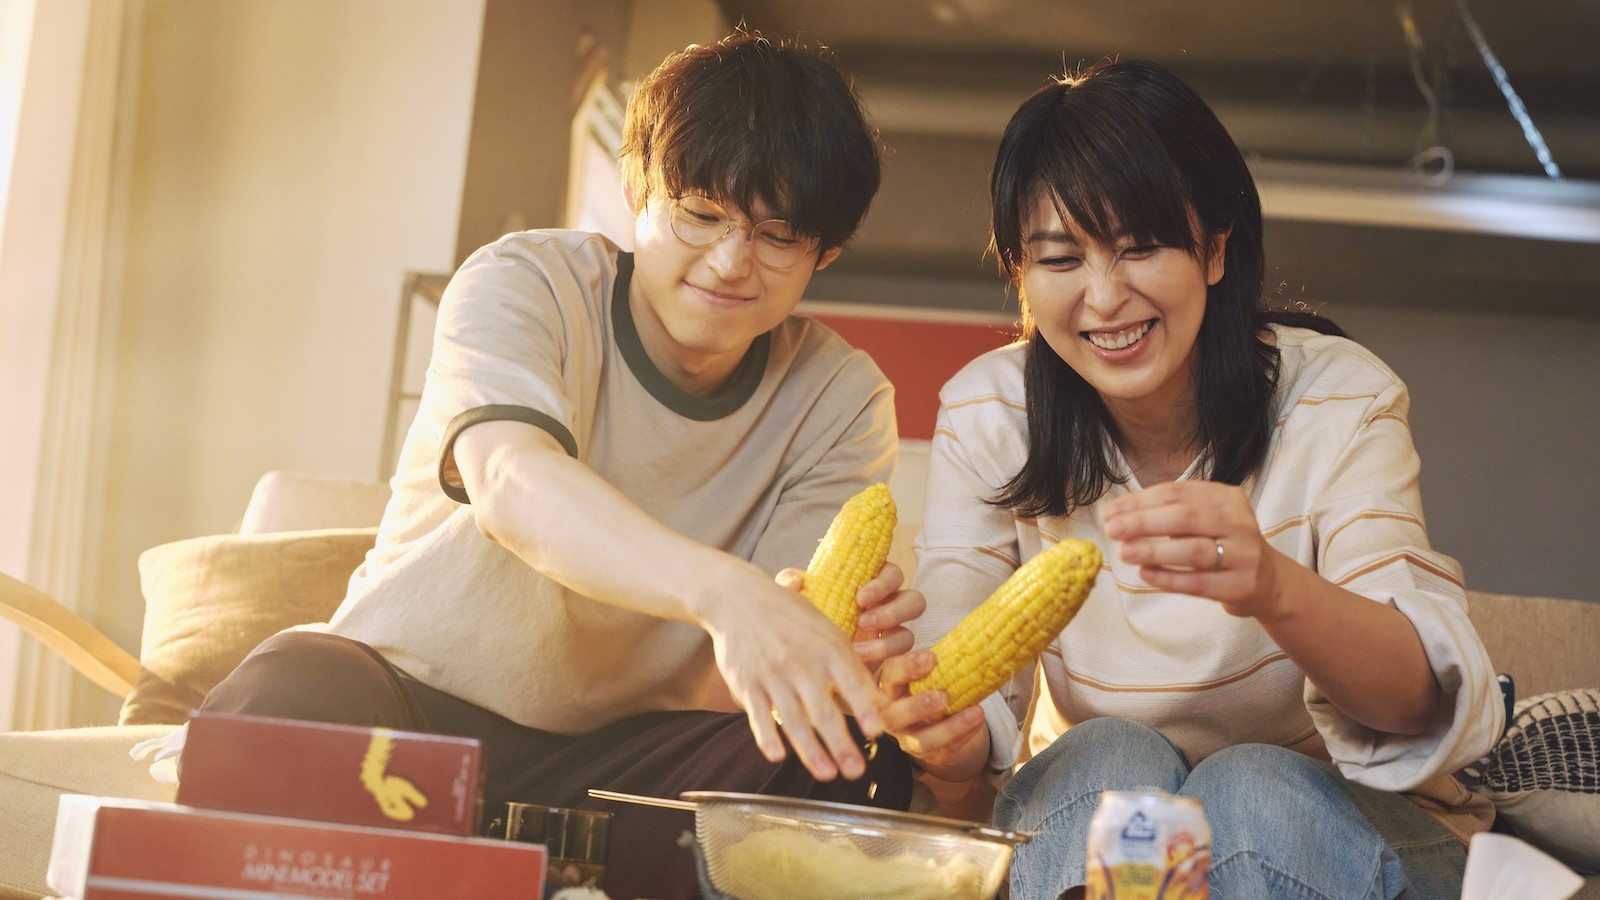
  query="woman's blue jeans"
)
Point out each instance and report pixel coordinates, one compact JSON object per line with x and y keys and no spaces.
{"x":1282,"y":824}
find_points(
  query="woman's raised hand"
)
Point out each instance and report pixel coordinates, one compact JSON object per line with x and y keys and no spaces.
{"x":1199,"y":538}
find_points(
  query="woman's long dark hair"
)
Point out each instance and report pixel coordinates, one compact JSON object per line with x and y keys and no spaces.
{"x":1127,"y":149}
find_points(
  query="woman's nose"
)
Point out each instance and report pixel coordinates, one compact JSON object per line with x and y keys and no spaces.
{"x":1105,"y":291}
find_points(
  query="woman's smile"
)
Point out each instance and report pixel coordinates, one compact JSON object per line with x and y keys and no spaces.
{"x":1113,"y":339}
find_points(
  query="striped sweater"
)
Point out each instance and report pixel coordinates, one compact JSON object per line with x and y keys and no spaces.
{"x":1337,"y":493}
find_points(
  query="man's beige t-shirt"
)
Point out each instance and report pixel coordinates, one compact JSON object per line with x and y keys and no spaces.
{"x":536,"y":327}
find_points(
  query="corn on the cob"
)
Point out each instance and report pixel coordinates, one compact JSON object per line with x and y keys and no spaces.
{"x":850,"y":555}
{"x":1011,"y":628}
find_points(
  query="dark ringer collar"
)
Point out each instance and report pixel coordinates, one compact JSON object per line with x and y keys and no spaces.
{"x":741,"y":385}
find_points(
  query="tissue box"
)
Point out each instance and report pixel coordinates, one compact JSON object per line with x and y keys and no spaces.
{"x":113,"y":849}
{"x":332,"y":773}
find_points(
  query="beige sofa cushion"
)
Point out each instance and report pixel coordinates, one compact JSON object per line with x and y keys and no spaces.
{"x":295,"y":501}
{"x":37,"y":767}
{"x":1545,"y":644}
{"x":209,"y":601}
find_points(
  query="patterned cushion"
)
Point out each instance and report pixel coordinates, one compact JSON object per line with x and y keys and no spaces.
{"x":1544,"y":775}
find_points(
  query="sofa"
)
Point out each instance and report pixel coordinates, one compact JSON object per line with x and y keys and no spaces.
{"x":210,"y":599}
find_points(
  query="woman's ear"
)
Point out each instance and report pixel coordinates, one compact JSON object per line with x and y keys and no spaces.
{"x":627,"y":197}
{"x":826,"y":257}
{"x":1215,"y":254}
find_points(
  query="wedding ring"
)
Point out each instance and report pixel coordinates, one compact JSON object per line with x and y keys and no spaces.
{"x":1217,"y":566}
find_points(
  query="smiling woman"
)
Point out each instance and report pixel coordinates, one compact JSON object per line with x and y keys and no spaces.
{"x":1269,"y":599}
{"x":1125,"y":316}
{"x":1112,"y":224}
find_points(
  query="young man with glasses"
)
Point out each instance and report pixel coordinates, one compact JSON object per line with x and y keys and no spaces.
{"x":614,"y":455}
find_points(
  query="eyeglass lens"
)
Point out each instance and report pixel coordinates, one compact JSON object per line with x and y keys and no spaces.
{"x":700,"y":222}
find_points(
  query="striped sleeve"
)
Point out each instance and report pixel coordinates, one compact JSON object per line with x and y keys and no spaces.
{"x":1370,"y":538}
{"x":967,"y":547}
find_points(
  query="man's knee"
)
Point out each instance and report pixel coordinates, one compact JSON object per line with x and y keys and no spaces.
{"x":316,"y":677}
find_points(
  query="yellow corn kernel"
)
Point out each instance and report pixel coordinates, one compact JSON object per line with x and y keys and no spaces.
{"x":850,"y":555}
{"x":1011,"y":628}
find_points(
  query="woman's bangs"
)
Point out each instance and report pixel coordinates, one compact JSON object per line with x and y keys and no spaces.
{"x":1111,"y":173}
{"x":1117,"y":194}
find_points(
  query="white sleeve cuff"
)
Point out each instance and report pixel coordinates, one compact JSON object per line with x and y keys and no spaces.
{"x":1470,"y":717}
{"x":1005,"y":734}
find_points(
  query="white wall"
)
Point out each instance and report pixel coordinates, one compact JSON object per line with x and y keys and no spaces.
{"x":1505,"y":411}
{"x":42,"y":47}
{"x":290,"y":160}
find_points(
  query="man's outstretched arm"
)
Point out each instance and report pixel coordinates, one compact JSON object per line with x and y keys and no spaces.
{"x":783,"y":660}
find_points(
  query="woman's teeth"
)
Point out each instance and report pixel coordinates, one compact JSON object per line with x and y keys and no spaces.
{"x":1117,"y":340}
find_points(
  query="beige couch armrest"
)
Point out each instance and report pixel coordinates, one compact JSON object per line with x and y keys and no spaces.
{"x":72,"y":637}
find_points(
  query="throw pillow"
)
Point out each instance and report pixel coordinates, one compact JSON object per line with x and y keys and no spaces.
{"x":1544,"y":775}
{"x":209,"y":601}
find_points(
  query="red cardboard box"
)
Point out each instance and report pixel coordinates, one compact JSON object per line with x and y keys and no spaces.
{"x":332,"y":773}
{"x":113,"y":849}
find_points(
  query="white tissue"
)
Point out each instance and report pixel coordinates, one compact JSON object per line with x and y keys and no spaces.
{"x":1501,"y":867}
{"x":164,"y":768}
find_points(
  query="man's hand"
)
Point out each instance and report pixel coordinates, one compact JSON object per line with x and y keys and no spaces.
{"x":790,"y":668}
{"x":781,"y":658}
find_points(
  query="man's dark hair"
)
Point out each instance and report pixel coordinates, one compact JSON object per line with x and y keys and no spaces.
{"x":751,"y":119}
{"x":1126,"y":149}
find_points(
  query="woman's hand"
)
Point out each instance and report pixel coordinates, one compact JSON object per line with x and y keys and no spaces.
{"x":951,"y":748}
{"x":881,"y":630}
{"x":1199,"y":538}
{"x":1202,"y":538}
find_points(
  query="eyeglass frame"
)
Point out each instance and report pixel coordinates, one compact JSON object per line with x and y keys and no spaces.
{"x":809,"y":244}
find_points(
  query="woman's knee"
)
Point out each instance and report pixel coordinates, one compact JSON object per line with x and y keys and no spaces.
{"x":1092,"y":756}
{"x":1112,"y":745}
{"x":1334,"y":847}
{"x":1262,"y":768}
{"x":1237,"y":783}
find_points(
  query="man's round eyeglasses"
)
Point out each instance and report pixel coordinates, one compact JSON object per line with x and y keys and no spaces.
{"x":700,"y":222}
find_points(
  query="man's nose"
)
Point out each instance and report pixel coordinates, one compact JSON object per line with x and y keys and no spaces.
{"x":731,"y":257}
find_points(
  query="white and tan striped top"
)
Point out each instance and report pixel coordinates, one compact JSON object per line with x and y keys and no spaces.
{"x":1338,"y":493}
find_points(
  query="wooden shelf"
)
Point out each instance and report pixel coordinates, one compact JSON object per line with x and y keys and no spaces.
{"x":418,"y":287}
